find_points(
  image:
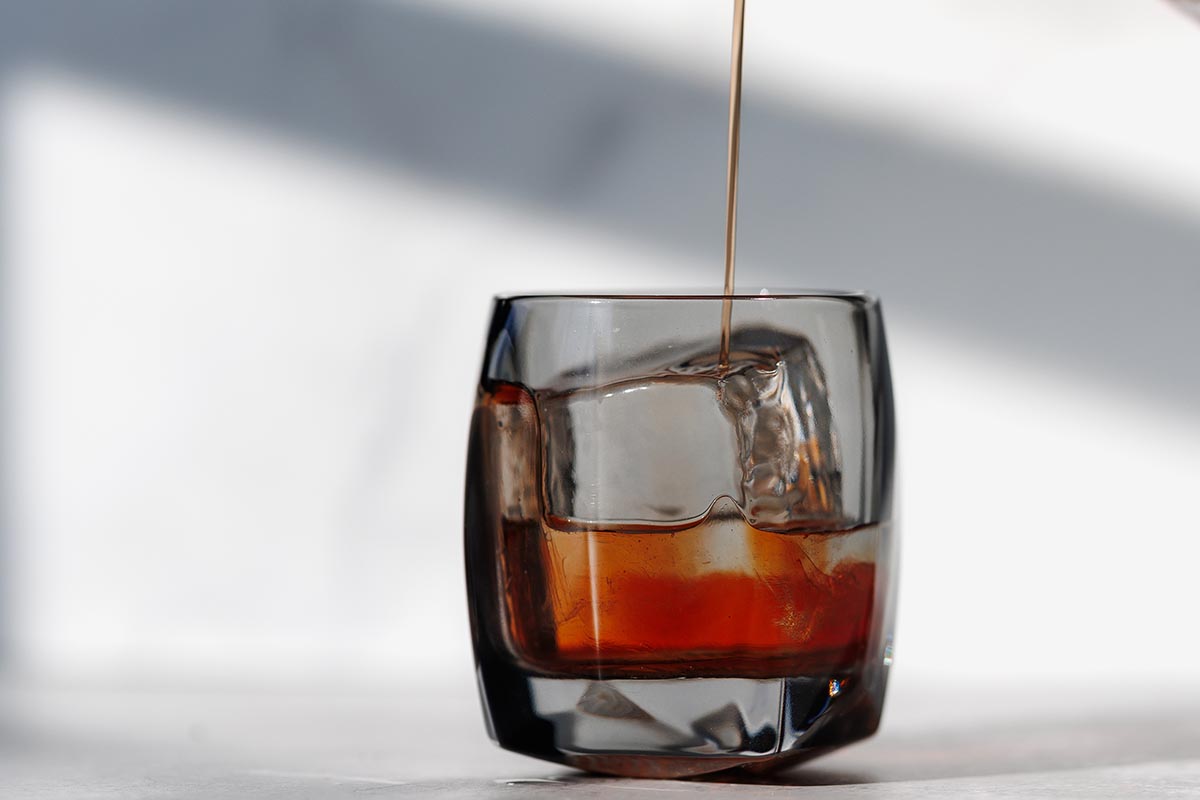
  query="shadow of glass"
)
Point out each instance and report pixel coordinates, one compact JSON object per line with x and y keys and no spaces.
{"x":992,"y":750}
{"x":1081,"y":742}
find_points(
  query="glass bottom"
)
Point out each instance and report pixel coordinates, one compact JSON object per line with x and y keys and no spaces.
{"x":681,"y":727}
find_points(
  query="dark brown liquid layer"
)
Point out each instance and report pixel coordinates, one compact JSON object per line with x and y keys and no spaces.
{"x":718,"y":598}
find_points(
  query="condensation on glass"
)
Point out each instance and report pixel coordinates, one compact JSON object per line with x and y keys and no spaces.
{"x":678,"y":565}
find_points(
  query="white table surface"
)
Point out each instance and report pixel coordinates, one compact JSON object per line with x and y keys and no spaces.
{"x":1141,"y":739}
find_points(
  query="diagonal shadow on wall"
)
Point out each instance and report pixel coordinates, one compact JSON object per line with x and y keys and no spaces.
{"x":1081,"y":280}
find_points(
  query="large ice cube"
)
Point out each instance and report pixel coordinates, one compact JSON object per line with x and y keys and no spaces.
{"x":660,"y":450}
{"x":657,"y":450}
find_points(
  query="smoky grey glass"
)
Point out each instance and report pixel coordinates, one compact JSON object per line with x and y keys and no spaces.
{"x":681,"y":558}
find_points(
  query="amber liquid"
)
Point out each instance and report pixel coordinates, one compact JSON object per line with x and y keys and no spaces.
{"x":716,"y":598}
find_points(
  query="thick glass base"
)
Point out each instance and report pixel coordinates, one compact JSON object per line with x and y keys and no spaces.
{"x":673,"y":728}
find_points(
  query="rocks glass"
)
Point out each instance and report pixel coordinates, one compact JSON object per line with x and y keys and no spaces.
{"x":679,"y":560}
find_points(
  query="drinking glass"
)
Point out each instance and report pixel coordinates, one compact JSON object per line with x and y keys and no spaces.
{"x":682,"y":560}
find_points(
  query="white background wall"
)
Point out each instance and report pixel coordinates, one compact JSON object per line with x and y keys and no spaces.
{"x":241,"y":354}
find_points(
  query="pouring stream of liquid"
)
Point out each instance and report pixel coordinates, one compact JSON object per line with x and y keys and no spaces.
{"x":731,"y":196}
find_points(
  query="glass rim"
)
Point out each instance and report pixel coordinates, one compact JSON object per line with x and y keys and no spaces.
{"x":676,"y":295}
